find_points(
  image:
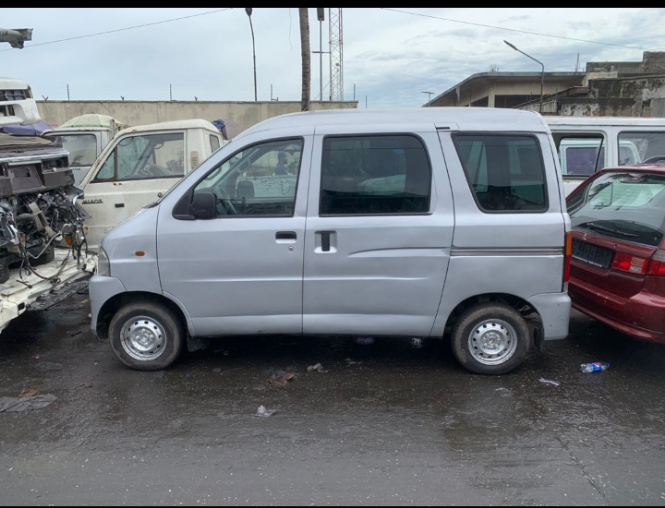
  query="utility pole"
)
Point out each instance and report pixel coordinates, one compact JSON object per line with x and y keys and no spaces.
{"x":305,"y":54}
{"x":320,"y":14}
{"x":354,"y":91}
{"x":170,"y":93}
{"x":67,"y":91}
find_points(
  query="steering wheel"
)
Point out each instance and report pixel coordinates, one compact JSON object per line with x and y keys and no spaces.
{"x":226,"y":202}
{"x":656,"y":158}
{"x":152,"y":171}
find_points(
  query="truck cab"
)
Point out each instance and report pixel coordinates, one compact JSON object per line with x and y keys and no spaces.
{"x":17,"y":106}
{"x":138,"y":166}
{"x":84,"y":137}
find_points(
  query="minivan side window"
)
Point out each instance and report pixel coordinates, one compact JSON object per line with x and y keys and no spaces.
{"x":580,"y":154}
{"x":505,"y":172}
{"x":259,"y":181}
{"x":374,"y":175}
{"x":144,"y":157}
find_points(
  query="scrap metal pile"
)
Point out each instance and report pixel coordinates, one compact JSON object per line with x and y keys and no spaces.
{"x":38,"y":208}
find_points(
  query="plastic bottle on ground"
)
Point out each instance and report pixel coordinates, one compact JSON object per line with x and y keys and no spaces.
{"x":594,"y":367}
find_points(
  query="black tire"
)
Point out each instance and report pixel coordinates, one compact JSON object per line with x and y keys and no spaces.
{"x":169,"y":340}
{"x":472,"y":319}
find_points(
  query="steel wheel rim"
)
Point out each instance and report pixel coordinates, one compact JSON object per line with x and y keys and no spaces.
{"x":143,"y":338}
{"x":492,"y":342}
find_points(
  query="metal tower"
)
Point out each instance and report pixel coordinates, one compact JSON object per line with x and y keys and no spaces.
{"x":336,"y":39}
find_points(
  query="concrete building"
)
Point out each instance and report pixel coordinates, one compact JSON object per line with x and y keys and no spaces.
{"x":604,"y":89}
{"x":633,"y":89}
{"x":245,"y":114}
{"x":504,"y":89}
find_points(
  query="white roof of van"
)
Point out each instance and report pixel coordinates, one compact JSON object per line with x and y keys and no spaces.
{"x":196,"y":123}
{"x":466,"y":118}
{"x":605,"y":120}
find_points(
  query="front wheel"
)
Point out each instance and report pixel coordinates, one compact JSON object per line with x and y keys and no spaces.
{"x":490,"y":338}
{"x":146,"y":335}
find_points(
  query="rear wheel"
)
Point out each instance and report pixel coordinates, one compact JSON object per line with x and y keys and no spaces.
{"x":146,"y":335}
{"x":490,"y":338}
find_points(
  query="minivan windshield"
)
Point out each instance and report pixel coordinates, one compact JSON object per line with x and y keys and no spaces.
{"x":626,"y":206}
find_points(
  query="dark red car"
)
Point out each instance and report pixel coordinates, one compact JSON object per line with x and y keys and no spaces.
{"x":617,"y":271}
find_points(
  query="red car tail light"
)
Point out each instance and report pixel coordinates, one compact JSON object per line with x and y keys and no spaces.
{"x":630,"y":264}
{"x":657,"y":264}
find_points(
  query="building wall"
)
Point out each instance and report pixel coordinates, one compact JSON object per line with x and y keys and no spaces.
{"x":135,"y":113}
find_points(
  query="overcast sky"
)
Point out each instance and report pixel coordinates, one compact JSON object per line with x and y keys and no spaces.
{"x":391,"y":57}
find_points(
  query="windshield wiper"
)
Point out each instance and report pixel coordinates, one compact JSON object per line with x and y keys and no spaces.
{"x":598,"y":227}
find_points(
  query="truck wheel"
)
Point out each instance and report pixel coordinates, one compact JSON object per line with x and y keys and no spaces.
{"x":490,"y":338}
{"x":146,"y":335}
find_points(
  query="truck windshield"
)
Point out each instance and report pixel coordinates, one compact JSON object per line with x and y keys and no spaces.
{"x":82,"y":148}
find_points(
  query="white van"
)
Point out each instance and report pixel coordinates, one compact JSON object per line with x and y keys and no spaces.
{"x":587,"y":144}
{"x":411,"y":223}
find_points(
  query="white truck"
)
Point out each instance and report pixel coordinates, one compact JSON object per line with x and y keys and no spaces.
{"x":38,"y":211}
{"x":84,"y":137}
{"x":138,"y":166}
{"x":17,"y":106}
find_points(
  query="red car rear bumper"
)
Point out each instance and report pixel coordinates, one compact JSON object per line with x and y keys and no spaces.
{"x":641,"y":316}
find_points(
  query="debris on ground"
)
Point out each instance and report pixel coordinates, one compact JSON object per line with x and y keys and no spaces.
{"x":281,"y":381}
{"x":349,"y":361}
{"x":262,"y":412}
{"x":364,"y":341}
{"x":594,"y":367}
{"x":19,"y":404}
{"x":317,"y":367}
{"x":549,"y":381}
{"x":417,"y":342}
{"x":47,"y":366}
{"x":217,"y":370}
{"x":28,"y":392}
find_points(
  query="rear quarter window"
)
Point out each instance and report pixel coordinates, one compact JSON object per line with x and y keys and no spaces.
{"x":505,"y":172}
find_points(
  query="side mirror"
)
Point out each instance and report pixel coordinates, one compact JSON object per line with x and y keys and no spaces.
{"x":204,"y":205}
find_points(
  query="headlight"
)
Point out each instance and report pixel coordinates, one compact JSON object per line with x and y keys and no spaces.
{"x":103,"y":264}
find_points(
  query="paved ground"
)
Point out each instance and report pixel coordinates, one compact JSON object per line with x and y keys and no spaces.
{"x":405,"y":426}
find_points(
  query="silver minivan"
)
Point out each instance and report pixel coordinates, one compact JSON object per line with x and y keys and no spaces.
{"x":431,"y":223}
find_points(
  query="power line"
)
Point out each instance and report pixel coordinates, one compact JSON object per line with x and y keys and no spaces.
{"x":513,"y":29}
{"x":123,"y":29}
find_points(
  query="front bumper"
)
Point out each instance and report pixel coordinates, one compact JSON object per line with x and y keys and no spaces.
{"x":102,"y":289}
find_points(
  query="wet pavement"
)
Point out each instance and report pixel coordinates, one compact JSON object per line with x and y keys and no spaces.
{"x":388,"y":423}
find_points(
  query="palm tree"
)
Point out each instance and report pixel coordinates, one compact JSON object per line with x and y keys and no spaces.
{"x":305,"y":54}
